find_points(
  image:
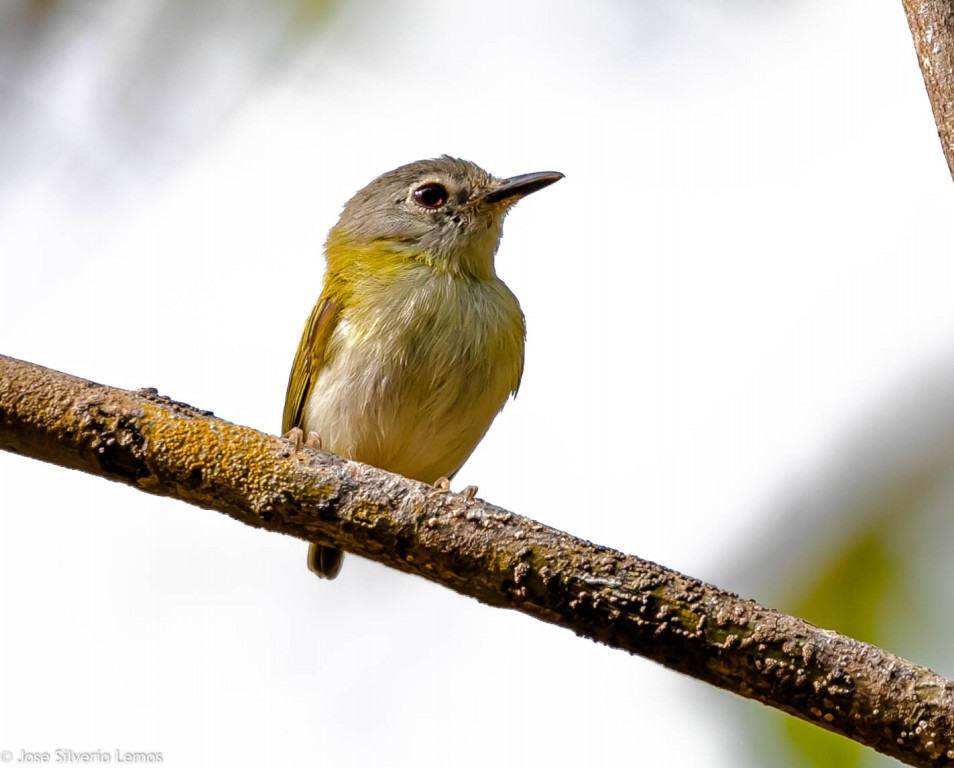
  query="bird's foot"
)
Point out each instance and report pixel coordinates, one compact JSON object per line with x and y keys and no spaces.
{"x":297,"y":438}
{"x":442,"y":485}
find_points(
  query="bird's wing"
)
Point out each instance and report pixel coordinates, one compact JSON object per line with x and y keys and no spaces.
{"x":311,"y":355}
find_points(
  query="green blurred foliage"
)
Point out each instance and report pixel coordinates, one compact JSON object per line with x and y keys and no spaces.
{"x":872,"y":577}
{"x":852,"y":595}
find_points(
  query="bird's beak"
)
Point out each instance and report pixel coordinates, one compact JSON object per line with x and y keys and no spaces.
{"x":516,"y":187}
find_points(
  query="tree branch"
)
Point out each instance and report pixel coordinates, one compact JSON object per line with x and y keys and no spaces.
{"x":932,"y":26}
{"x":170,"y":449}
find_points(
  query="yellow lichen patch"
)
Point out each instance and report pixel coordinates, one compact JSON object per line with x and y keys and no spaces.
{"x":207,"y":460}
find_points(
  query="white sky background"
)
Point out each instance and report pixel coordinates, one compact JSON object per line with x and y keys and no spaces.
{"x":749,"y":254}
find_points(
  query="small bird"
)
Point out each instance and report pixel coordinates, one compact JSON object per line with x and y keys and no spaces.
{"x":414,"y":344}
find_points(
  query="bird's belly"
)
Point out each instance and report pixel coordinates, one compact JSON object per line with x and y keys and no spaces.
{"x":420,"y":415}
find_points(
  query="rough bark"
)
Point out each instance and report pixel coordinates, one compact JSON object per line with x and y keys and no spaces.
{"x":932,"y":26}
{"x":171,"y":449}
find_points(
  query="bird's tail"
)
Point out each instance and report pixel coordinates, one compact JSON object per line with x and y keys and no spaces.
{"x":324,"y":562}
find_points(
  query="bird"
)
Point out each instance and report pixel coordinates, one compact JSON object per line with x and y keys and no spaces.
{"x":414,"y":344}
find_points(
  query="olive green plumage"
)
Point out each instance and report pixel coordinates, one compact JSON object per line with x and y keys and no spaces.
{"x":415,"y":344}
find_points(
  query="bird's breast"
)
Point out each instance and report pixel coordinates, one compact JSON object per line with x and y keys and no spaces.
{"x":416,"y":374}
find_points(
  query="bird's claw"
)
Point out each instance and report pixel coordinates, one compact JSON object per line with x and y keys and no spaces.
{"x":442,"y":485}
{"x":297,"y":438}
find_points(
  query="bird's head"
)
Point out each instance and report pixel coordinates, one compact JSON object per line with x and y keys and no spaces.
{"x":445,"y":212}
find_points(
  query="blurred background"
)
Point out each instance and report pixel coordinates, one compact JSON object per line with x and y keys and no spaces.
{"x":741,"y":350}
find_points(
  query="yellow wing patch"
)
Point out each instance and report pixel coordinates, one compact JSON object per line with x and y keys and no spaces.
{"x":312,"y":350}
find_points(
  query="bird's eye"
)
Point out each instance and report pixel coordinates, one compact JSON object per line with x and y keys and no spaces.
{"x":432,"y":195}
